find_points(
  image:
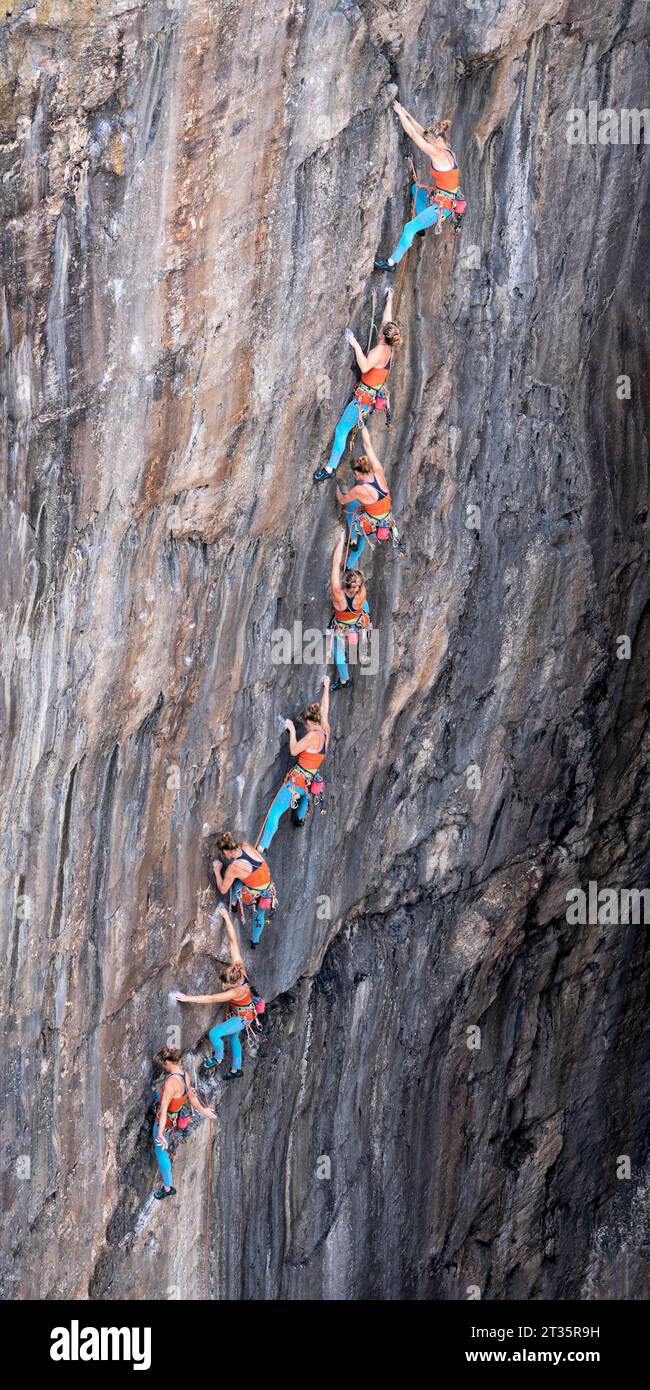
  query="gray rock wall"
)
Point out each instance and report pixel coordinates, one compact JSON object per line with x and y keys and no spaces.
{"x":193,"y":195}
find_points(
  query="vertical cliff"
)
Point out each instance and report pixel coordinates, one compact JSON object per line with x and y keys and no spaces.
{"x":193,"y":193}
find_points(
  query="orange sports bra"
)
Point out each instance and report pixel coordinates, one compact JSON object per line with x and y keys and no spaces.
{"x":381,"y":506}
{"x":260,"y":873}
{"x":312,"y":761}
{"x":447,"y":179}
{"x":376,"y":376}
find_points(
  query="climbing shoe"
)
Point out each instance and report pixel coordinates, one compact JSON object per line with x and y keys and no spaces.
{"x":210,"y":1063}
{"x":322,"y":473}
{"x":420,"y":233}
{"x":382,"y":264}
{"x":164,"y":1192}
{"x":401,"y":552}
{"x":253,"y":945}
{"x":230,"y":1075}
{"x":298,"y":820}
{"x":338,"y":684}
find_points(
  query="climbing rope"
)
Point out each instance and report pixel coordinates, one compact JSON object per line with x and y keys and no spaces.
{"x":402,"y":266}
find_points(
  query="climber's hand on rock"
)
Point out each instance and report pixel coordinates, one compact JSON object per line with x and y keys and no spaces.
{"x":349,"y":335}
{"x":209,"y":1114}
{"x":181,"y":998}
{"x":327,"y":681}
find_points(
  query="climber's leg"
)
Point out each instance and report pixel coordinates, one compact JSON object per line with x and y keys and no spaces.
{"x":258,"y":925}
{"x":425,"y":219}
{"x":300,"y":813}
{"x":420,"y":197}
{"x":235,"y":892}
{"x":162,"y":1158}
{"x":357,"y":539}
{"x":348,"y":420}
{"x":235,"y":1042}
{"x":279,"y":805}
{"x":221,"y":1031}
{"x":341,"y":663}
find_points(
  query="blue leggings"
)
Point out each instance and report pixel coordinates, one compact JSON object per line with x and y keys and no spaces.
{"x":162,"y":1158}
{"x":427,"y":214}
{"x":258,"y":912}
{"x":351,"y":510}
{"x":230,"y":1028}
{"x":339,"y":651}
{"x":352,"y":415}
{"x":279,"y":805}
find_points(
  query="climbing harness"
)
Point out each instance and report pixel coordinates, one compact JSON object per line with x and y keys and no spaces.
{"x":350,"y":628}
{"x":250,"y":1010}
{"x":304,"y":779}
{"x":447,"y":199}
{"x":262,"y":895}
{"x":383,"y":528}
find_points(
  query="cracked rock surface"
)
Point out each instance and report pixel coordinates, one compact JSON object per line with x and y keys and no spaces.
{"x":193,"y":194}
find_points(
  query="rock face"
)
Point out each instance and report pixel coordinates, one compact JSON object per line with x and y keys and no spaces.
{"x":193,"y":194}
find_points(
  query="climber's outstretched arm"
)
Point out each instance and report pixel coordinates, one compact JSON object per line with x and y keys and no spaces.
{"x":196,"y":1105}
{"x":338,"y":597}
{"x":415,"y":132}
{"x":205,"y":998}
{"x":293,"y":741}
{"x":367,"y":444}
{"x":325,"y":705}
{"x":233,"y":939}
{"x":388,"y":310}
{"x":162,"y":1114}
{"x":225,"y":880}
{"x":363,"y":362}
{"x":354,"y":495}
{"x":408,"y":118}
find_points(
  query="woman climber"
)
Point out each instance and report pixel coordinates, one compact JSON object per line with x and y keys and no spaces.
{"x":370,"y":393}
{"x":238,"y":995}
{"x":247,"y":878}
{"x":432,"y":205}
{"x":368,"y":504}
{"x":351,"y":616}
{"x":174,"y":1103}
{"x":303,"y":779}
